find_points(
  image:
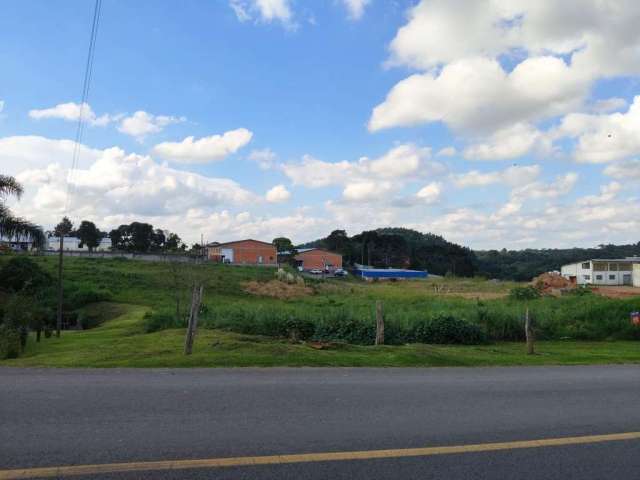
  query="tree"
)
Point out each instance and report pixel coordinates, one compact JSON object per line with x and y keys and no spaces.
{"x":158,"y":239}
{"x":89,"y":235}
{"x":12,"y":226}
{"x":337,"y":241}
{"x":173,"y":242}
{"x":64,"y":228}
{"x":283,"y":244}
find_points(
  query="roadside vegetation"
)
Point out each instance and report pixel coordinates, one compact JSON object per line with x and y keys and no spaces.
{"x":132,"y":313}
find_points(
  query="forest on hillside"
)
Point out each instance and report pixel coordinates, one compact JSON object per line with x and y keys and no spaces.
{"x":406,"y":248}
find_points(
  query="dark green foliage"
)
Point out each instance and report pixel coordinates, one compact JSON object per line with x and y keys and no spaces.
{"x":139,"y":237}
{"x":22,"y":273}
{"x":162,"y":320}
{"x":282,"y":244}
{"x":65,"y":227}
{"x":580,"y":292}
{"x":446,"y":329}
{"x":89,"y":235}
{"x":523,"y":265}
{"x":524,"y":293}
{"x":401,"y":248}
{"x":10,"y":346}
{"x":79,"y":296}
{"x":346,"y":327}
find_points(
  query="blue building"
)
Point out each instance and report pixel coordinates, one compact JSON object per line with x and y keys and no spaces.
{"x":388,"y":273}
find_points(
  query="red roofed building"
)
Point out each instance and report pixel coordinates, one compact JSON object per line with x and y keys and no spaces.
{"x":313,"y":258}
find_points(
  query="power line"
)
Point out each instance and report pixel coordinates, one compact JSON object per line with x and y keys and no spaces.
{"x":86,"y":87}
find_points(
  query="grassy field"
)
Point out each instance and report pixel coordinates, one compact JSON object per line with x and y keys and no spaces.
{"x":243,"y":326}
{"x":120,"y":342}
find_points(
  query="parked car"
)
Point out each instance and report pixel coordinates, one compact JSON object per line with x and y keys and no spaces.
{"x":315,"y":271}
{"x":340,"y":273}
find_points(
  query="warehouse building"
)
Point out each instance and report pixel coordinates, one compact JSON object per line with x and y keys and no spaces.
{"x":370,"y":273}
{"x":243,"y":252}
{"x":318,"y":258}
{"x":603,"y":271}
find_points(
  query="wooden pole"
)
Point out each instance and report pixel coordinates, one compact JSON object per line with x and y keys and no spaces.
{"x":60,"y":288}
{"x":192,"y":326}
{"x":379,"y":324}
{"x":528,"y":331}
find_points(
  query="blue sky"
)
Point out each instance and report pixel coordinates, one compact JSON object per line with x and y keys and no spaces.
{"x":521,"y":135}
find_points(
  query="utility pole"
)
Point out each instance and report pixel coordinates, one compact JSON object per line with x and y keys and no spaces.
{"x":60,"y":288}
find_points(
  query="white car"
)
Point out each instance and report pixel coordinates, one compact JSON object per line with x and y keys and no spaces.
{"x":315,"y":271}
{"x":340,"y":272}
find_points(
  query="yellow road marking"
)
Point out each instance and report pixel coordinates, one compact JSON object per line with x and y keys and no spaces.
{"x":70,"y":470}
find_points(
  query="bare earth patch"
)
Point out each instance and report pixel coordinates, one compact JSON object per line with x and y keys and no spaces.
{"x":277,"y":289}
{"x":618,"y":292}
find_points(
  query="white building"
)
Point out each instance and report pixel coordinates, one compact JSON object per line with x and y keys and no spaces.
{"x":72,"y":244}
{"x":603,"y":271}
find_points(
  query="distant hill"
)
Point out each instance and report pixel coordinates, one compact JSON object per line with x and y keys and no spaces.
{"x":406,"y":248}
{"x":525,"y":264}
{"x":401,"y":248}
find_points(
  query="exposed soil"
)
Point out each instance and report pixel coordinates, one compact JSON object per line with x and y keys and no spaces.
{"x":277,"y":289}
{"x":552,"y":283}
{"x":617,"y":291}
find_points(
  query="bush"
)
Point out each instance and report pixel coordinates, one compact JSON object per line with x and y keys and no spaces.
{"x":22,"y":273}
{"x":81,"y":296}
{"x":156,"y":321}
{"x":10,"y":345}
{"x":448,"y":329}
{"x":524,"y":293}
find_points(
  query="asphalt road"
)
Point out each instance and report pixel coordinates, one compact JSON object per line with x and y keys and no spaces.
{"x":80,"y":417}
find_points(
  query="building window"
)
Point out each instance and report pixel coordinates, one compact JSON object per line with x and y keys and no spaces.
{"x":612,"y":277}
{"x":586,"y":265}
{"x":598,"y":277}
{"x":587,"y":277}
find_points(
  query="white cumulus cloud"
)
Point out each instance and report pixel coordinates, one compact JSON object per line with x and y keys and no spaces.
{"x":487,"y":65}
{"x":71,"y":112}
{"x":206,"y":149}
{"x":141,"y":124}
{"x":278,"y":194}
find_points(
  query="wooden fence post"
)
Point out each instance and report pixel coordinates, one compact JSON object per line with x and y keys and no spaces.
{"x":528,"y":331}
{"x":196,"y":300}
{"x":379,"y":324}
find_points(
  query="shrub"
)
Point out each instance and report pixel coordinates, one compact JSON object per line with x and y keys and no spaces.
{"x":524,"y":293}
{"x":82,"y":295}
{"x":10,"y":346}
{"x":448,"y":329}
{"x":22,"y":273}
{"x":344,"y":326}
{"x":156,"y":321}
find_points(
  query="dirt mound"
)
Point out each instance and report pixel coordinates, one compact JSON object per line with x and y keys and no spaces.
{"x":551,"y":283}
{"x":277,"y":289}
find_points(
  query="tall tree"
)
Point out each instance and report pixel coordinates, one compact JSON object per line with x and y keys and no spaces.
{"x":89,"y":235}
{"x":12,"y":226}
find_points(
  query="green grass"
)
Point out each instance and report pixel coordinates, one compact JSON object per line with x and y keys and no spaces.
{"x":233,"y":317}
{"x":120,"y":342}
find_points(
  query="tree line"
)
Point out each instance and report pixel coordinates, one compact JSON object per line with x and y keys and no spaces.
{"x":136,"y":237}
{"x":400,"y":248}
